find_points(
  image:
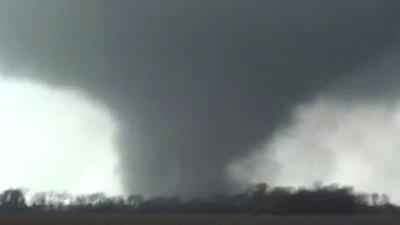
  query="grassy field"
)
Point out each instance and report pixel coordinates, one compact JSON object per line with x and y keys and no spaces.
{"x":196,"y":220}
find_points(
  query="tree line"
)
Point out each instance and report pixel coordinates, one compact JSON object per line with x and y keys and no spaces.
{"x":259,"y":199}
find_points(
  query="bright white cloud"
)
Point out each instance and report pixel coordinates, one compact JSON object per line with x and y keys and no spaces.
{"x":351,"y":143}
{"x":54,"y":139}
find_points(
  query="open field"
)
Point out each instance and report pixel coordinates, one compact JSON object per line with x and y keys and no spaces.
{"x":174,"y":219}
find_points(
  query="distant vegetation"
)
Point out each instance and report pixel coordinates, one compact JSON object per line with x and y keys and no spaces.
{"x":260,"y":199}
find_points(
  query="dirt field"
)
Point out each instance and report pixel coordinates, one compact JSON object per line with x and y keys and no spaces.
{"x":197,"y":220}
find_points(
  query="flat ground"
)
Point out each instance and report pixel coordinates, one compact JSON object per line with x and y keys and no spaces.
{"x":174,"y":219}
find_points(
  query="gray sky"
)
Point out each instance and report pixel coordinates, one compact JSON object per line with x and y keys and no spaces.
{"x":196,"y":85}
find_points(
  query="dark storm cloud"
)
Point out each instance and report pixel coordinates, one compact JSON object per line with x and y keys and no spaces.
{"x":195,"y":84}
